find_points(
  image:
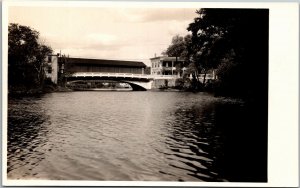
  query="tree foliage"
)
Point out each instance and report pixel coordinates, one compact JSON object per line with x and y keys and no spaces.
{"x":235,"y":42}
{"x":179,"y":48}
{"x":26,"y":57}
{"x":176,"y":48}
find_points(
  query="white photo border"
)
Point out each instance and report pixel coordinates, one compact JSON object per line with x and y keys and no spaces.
{"x":283,"y":92}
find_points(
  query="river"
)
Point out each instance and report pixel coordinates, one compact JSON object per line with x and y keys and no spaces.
{"x":159,"y":136}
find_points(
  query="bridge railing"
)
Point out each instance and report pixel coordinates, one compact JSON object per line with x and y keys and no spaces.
{"x":125,"y":75}
{"x":165,"y":76}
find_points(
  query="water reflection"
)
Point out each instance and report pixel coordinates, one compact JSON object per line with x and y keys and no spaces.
{"x":27,"y":132}
{"x":244,"y":128}
{"x":161,"y":136}
{"x":194,"y":141}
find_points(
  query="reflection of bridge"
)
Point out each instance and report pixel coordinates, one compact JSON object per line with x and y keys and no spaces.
{"x":138,"y":82}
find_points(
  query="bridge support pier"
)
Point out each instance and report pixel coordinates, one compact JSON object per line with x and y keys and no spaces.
{"x":137,"y":87}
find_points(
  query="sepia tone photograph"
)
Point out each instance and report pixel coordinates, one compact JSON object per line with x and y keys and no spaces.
{"x":137,"y":93}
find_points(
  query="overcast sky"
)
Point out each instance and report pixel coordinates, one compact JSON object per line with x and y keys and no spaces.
{"x":106,"y":33}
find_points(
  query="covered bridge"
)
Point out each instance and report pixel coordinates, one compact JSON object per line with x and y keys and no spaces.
{"x":105,"y":66}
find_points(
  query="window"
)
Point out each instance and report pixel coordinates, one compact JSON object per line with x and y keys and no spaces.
{"x":49,"y":70}
{"x":49,"y":58}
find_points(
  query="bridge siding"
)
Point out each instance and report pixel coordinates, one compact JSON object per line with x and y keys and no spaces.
{"x":105,"y":65}
{"x":96,"y":68}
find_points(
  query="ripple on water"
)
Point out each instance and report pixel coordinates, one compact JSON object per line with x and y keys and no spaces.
{"x":114,"y":136}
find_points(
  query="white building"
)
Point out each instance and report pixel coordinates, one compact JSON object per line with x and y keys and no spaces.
{"x":175,"y":67}
{"x":51,"y":67}
{"x":165,"y":65}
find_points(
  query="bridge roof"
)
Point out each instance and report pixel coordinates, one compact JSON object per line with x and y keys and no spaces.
{"x":105,"y":62}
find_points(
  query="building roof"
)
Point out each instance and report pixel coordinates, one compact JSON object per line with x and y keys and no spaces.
{"x":105,"y":62}
{"x":166,"y":58}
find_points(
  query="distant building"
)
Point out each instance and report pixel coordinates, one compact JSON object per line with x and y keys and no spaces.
{"x":176,"y":67}
{"x":51,"y":67}
{"x":165,"y":65}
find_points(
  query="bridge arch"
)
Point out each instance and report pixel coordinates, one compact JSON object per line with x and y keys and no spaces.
{"x":135,"y":84}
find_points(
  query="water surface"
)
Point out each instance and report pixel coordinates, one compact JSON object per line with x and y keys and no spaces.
{"x":161,"y":136}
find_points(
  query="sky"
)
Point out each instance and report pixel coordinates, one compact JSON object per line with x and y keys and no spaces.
{"x":123,"y":33}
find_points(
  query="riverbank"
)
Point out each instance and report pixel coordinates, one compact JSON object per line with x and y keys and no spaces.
{"x":52,"y":88}
{"x":23,"y":91}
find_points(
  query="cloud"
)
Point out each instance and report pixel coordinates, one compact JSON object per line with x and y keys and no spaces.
{"x":99,"y":41}
{"x":144,"y":15}
{"x":93,"y":41}
{"x":170,"y":15}
{"x":101,"y":38}
{"x":113,"y":33}
{"x":173,"y":28}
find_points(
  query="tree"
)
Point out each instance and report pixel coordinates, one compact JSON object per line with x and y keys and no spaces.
{"x":235,"y":41}
{"x":26,"y":57}
{"x":207,"y":45}
{"x":177,"y":47}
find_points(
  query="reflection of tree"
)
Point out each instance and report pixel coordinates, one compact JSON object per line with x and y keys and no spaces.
{"x":222,"y":141}
{"x":195,"y":141}
{"x":26,"y":132}
{"x":244,"y":129}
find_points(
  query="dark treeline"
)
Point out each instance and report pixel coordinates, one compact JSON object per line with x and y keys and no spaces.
{"x":234,"y":42}
{"x":26,"y":57}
